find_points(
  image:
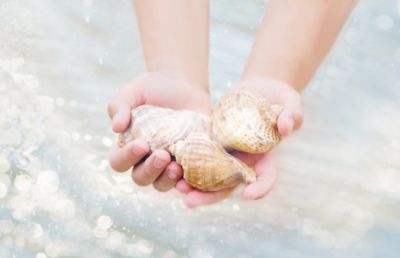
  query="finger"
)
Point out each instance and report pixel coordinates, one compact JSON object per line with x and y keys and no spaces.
{"x":169,"y":177}
{"x":183,"y":187}
{"x":146,"y":173}
{"x":121,"y":159}
{"x":286,"y":123}
{"x":121,"y":119}
{"x":119,"y":113}
{"x":197,"y":198}
{"x":121,"y":105}
{"x":266,"y":177}
{"x":291,"y":117}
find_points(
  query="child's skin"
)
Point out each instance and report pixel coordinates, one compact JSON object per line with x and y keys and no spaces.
{"x":292,"y":40}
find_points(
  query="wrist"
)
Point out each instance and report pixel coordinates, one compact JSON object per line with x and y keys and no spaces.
{"x":192,"y":73}
{"x":263,"y":84}
{"x":180,"y":78}
{"x":280,"y":66}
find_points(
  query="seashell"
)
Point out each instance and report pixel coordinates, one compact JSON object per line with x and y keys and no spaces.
{"x":207,"y":166}
{"x":242,"y":120}
{"x":161,"y":127}
{"x":245,"y":121}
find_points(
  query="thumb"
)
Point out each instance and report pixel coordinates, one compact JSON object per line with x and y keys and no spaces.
{"x":120,"y":107}
{"x":290,"y":119}
{"x":286,"y":123}
{"x":121,"y":119}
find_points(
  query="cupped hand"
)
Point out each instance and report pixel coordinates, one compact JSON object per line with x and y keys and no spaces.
{"x":290,"y":119}
{"x":159,"y":89}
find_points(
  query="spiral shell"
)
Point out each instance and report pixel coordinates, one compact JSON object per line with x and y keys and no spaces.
{"x":161,"y":127}
{"x":245,"y":121}
{"x":207,"y":166}
{"x":241,"y":120}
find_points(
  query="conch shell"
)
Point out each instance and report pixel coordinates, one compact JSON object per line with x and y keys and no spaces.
{"x":207,"y":166}
{"x":242,"y":121}
{"x":245,"y":121}
{"x":161,"y":127}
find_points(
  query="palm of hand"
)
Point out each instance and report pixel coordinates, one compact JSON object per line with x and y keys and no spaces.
{"x":175,"y":93}
{"x":290,"y":119}
{"x":158,"y":169}
{"x":178,"y":94}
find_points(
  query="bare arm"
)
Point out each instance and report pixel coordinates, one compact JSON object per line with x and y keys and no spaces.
{"x":294,"y":38}
{"x":174,"y":36}
{"x":292,"y":41}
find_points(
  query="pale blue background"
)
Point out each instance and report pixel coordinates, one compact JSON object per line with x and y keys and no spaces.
{"x":338,"y":193}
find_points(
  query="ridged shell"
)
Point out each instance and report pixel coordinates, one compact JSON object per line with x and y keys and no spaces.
{"x":207,"y":166}
{"x":161,"y":127}
{"x":245,"y":121}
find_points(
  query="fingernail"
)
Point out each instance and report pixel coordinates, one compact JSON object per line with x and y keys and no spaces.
{"x":139,"y":151}
{"x":159,"y":163}
{"x":171,"y":174}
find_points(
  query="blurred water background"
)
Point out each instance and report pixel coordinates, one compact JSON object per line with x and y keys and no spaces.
{"x":338,"y":193}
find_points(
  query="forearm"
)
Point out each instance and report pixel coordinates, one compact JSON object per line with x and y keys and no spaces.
{"x":174,"y":37}
{"x":294,"y":38}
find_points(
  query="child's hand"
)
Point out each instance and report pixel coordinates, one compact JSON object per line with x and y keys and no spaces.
{"x":290,"y":119}
{"x":159,"y":89}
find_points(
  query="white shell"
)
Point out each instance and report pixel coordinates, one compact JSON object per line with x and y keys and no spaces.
{"x":161,"y":127}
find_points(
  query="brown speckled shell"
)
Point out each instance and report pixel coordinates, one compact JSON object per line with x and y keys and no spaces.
{"x":207,"y":166}
{"x":241,"y":120}
{"x":245,"y":121}
{"x":161,"y":127}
